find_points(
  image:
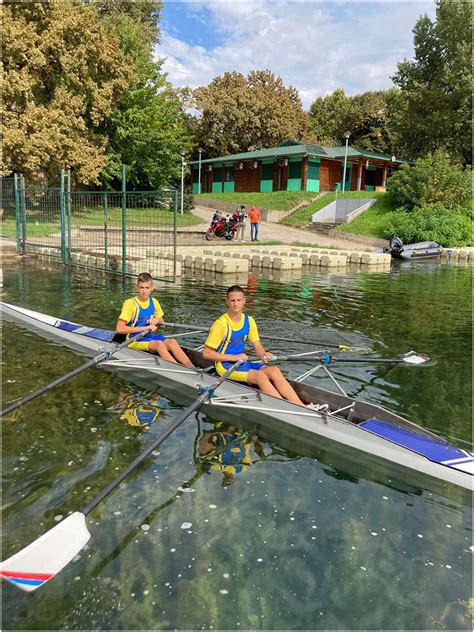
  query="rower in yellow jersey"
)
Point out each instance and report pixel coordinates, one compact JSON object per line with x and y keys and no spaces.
{"x":142,"y":312}
{"x":225,"y":345}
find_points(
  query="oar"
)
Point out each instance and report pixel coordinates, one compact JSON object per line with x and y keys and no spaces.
{"x":324,"y":358}
{"x":103,"y":355}
{"x":197,"y":329}
{"x":42,"y":559}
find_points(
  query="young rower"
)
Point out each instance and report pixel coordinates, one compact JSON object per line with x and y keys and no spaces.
{"x":142,"y":312}
{"x":226,"y":342}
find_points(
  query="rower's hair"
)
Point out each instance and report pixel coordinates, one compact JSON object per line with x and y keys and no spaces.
{"x":144,"y":277}
{"x":234,"y":288}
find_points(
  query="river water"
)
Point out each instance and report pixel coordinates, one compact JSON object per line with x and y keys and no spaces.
{"x":287,"y":536}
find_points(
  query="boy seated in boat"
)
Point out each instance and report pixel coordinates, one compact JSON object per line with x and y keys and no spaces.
{"x":225,"y":345}
{"x":144,"y":312}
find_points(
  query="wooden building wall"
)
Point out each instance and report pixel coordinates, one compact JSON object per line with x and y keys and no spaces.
{"x":248,"y":178}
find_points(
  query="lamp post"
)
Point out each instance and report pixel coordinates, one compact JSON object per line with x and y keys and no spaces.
{"x":200,"y":150}
{"x":182,"y":154}
{"x":346,"y":136}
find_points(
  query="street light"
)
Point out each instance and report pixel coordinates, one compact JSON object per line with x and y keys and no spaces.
{"x":182,"y":154}
{"x":200,"y":150}
{"x":346,"y":136}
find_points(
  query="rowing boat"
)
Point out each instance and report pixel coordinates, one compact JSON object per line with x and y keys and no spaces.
{"x":341,"y":419}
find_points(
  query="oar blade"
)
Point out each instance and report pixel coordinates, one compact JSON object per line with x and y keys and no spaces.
{"x":415,"y":358}
{"x":39,"y":562}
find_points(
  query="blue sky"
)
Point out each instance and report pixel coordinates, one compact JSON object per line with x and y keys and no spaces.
{"x":314,"y":46}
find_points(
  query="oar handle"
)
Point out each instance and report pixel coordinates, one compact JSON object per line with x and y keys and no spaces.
{"x":203,"y":397}
{"x":103,"y":355}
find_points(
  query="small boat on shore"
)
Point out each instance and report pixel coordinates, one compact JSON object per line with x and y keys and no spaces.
{"x":419,"y":250}
{"x":340,"y":419}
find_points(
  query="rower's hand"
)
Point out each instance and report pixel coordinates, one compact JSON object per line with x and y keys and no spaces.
{"x":267,"y":356}
{"x":154,"y":321}
{"x":242,"y":356}
{"x":151,"y":326}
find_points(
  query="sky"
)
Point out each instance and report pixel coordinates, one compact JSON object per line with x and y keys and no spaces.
{"x":314,"y":46}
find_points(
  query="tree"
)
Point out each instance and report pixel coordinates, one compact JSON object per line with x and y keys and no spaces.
{"x":433,"y":180}
{"x":241,"y":114}
{"x":62,"y":75}
{"x":148,"y":126}
{"x":364,"y":115}
{"x":434,"y":106}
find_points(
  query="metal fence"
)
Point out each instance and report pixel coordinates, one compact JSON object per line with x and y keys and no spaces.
{"x":126,"y":232}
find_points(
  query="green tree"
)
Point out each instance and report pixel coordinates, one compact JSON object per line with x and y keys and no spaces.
{"x":364,"y":115}
{"x":148,"y":126}
{"x":240,"y":113}
{"x":62,"y":75}
{"x":434,"y":109}
{"x":433,"y":180}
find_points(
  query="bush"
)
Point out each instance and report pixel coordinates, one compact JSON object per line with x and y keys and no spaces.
{"x":431,"y":223}
{"x":433,"y":180}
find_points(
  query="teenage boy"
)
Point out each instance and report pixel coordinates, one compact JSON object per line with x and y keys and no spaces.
{"x":143,"y":312}
{"x":225,"y":345}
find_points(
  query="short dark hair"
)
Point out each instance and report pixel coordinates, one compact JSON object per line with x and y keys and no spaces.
{"x":234,"y":288}
{"x":242,"y":206}
{"x":144,"y":277}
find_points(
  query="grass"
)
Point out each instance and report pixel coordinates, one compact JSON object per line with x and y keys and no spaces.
{"x":41,"y":224}
{"x":371,"y":222}
{"x":276,"y":201}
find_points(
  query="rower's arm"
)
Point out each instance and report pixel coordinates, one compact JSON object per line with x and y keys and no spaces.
{"x":214,"y":356}
{"x":123,"y":328}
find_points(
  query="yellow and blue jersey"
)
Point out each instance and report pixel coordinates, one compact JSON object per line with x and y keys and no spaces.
{"x":137,"y":313}
{"x":226,"y":336}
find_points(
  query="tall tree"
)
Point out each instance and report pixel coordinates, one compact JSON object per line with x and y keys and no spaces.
{"x":62,"y":75}
{"x":364,"y":115}
{"x":148,"y":126}
{"x":240,"y":113}
{"x":434,"y":104}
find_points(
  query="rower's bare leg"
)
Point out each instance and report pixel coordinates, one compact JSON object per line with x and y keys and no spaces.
{"x":159,"y":347}
{"x":262,"y":381}
{"x":173,"y":347}
{"x":281,"y":384}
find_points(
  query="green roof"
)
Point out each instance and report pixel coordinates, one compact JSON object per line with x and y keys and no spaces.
{"x":295,"y":148}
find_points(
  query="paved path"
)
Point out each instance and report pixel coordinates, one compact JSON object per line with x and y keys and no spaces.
{"x":270,"y":231}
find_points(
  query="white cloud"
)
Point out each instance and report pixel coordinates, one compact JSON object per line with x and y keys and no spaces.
{"x":316,"y":47}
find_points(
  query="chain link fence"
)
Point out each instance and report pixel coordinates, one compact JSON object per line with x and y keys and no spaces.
{"x":125,"y":232}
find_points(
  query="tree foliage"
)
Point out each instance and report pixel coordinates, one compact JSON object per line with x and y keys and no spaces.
{"x":239,"y":114}
{"x":62,"y":75}
{"x":434,"y":105}
{"x":363,"y":115}
{"x":433,"y":180}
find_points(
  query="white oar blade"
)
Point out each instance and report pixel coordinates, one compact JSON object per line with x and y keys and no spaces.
{"x":415,"y":358}
{"x":39,"y":562}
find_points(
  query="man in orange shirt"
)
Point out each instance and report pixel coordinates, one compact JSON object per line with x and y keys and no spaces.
{"x":254,"y":216}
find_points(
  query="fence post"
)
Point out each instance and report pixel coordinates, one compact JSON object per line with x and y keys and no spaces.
{"x":23,"y":213}
{"x":106,"y":244}
{"x":124,"y":222}
{"x":17,"y":213}
{"x":175,"y":236}
{"x":68,"y":215}
{"x":62,"y":218}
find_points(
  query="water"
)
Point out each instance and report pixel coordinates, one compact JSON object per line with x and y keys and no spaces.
{"x":293,"y":536}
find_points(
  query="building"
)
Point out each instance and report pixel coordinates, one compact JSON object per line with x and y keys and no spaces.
{"x":294,"y":166}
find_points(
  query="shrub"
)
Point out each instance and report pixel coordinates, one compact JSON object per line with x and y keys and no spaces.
{"x":431,"y":223}
{"x":433,"y":180}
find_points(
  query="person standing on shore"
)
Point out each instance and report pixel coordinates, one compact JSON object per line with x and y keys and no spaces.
{"x":241,"y":223}
{"x":254,"y":217}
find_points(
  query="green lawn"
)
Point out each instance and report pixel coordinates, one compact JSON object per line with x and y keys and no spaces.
{"x":276,"y":201}
{"x":371,"y":222}
{"x":42,"y":224}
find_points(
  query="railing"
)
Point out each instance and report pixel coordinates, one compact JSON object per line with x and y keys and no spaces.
{"x":119,"y":232}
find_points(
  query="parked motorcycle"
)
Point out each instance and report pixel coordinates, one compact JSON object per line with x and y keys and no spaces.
{"x":222,"y":227}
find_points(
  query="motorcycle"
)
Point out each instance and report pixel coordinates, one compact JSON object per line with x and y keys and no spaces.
{"x":222,"y":227}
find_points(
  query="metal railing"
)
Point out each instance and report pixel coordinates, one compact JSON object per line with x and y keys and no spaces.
{"x":125,"y":232}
